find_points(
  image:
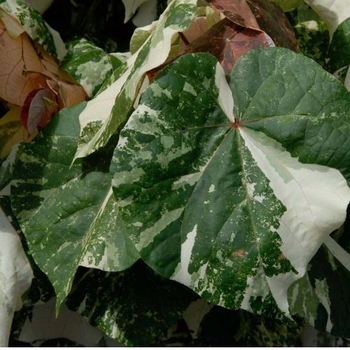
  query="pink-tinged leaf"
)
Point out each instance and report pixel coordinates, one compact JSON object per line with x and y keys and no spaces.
{"x":38,"y":109}
{"x":238,"y":12}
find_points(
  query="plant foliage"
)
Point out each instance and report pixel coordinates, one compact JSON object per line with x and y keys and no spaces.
{"x":206,"y":178}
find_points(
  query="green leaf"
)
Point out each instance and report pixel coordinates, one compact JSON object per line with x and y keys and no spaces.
{"x":15,"y":276}
{"x":287,"y":5}
{"x":139,"y":36}
{"x":89,"y":65}
{"x":225,"y":191}
{"x":67,"y":212}
{"x":113,"y":105}
{"x":37,"y":29}
{"x":338,"y":52}
{"x":313,"y":40}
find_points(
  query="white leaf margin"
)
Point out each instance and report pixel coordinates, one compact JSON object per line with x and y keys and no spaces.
{"x":15,"y":276}
{"x":316,"y":198}
{"x":338,"y":252}
{"x":333,"y":12}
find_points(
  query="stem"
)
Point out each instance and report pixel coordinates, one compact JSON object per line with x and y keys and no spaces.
{"x":184,"y":39}
{"x":339,"y":253}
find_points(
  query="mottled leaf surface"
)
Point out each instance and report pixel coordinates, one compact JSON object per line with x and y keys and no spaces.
{"x":66,"y":212}
{"x":113,"y":105}
{"x":225,"y":188}
{"x":89,"y":64}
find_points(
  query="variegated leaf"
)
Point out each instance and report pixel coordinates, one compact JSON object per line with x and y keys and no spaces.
{"x":110,"y":109}
{"x":321,"y":296}
{"x":231,"y":190}
{"x":89,"y":65}
{"x":67,"y":212}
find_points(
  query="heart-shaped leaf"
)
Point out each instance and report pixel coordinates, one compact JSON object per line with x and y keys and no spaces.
{"x":228,"y":189}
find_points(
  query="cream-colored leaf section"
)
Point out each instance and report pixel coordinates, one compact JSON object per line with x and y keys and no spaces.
{"x":158,"y":45}
{"x":146,"y":13}
{"x":15,"y":276}
{"x":131,"y":7}
{"x":315,"y":197}
{"x":333,"y":12}
{"x":339,"y":253}
{"x":225,"y":98}
{"x":89,"y":259}
{"x":181,"y":273}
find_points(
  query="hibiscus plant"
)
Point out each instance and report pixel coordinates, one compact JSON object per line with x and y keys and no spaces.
{"x":192,"y":190}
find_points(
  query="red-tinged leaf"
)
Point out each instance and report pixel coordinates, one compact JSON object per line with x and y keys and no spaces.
{"x":234,"y":35}
{"x":228,"y":41}
{"x":38,"y":109}
{"x":238,"y":12}
{"x":274,"y":22}
{"x":197,"y":28}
